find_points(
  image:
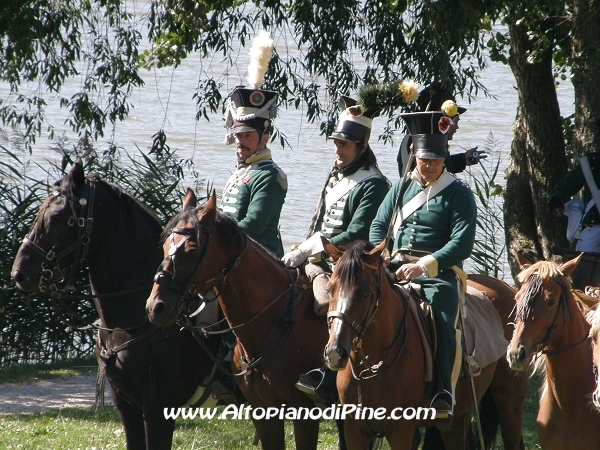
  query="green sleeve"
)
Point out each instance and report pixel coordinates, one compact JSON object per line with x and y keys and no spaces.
{"x":463,"y":224}
{"x":266,"y":200}
{"x":568,"y":186}
{"x":363,"y":202}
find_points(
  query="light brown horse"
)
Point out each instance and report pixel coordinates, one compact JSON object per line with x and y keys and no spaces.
{"x":269,"y":308}
{"x":595,"y":336}
{"x":550,"y":326}
{"x":375,"y":345}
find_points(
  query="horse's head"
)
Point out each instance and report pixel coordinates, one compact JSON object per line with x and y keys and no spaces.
{"x":544,"y":292}
{"x":56,"y":236}
{"x":195,"y":244}
{"x":595,"y":336}
{"x":355,"y":288}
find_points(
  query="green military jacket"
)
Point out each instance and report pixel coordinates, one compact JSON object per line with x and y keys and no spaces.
{"x":572,"y":183}
{"x":443,"y":228}
{"x":254,"y":196}
{"x":349,"y":204}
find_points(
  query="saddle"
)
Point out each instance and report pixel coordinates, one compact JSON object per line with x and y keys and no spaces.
{"x":483,"y":335}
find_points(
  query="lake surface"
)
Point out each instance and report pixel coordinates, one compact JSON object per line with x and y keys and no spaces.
{"x":166,"y":102}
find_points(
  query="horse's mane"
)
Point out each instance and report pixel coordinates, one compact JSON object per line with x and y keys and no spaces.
{"x":594,"y":319}
{"x":546,"y":270}
{"x":534,"y":276}
{"x":349,"y":266}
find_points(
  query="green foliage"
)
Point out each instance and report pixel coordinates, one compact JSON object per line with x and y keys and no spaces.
{"x":33,"y":327}
{"x":489,"y":252}
{"x":320,"y":46}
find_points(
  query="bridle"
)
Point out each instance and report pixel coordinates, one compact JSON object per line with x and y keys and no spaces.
{"x":190,"y":288}
{"x":361,"y":326}
{"x":564,"y":303}
{"x":82,"y":216}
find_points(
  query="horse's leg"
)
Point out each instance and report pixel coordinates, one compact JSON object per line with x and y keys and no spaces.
{"x":509,"y":389}
{"x":401,"y":437}
{"x":341,"y":438}
{"x":355,"y":438}
{"x":270,"y":433}
{"x":306,"y":434}
{"x":454,"y":439}
{"x":159,"y":431}
{"x":132,"y":420}
{"x":433,"y":439}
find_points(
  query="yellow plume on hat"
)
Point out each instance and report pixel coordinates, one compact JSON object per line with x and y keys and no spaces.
{"x":260,"y":55}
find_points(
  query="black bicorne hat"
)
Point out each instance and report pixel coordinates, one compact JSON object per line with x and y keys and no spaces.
{"x":429,"y":133}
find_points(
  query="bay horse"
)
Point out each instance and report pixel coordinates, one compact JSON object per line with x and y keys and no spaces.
{"x":550,"y":326}
{"x":375,"y":345}
{"x":268,"y":306}
{"x":89,"y":221}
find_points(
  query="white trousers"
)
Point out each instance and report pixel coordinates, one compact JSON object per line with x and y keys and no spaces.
{"x":589,"y":240}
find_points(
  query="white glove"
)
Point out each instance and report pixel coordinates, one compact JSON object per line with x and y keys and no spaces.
{"x":309,"y":247}
{"x":294,"y":258}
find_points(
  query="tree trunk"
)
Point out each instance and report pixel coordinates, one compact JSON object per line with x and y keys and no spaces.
{"x":585,"y":70}
{"x":537,"y":157}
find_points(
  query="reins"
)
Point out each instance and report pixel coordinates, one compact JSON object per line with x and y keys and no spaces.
{"x":374,"y":369}
{"x":52,"y":275}
{"x":190,"y":288}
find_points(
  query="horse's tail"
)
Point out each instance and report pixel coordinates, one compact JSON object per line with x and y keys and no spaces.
{"x":489,"y":419}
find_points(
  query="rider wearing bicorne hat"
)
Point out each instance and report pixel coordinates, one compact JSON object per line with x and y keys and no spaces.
{"x":432,"y":235}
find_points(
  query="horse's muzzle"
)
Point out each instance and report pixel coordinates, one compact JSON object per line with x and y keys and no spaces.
{"x":336,"y":358}
{"x":518,"y":358}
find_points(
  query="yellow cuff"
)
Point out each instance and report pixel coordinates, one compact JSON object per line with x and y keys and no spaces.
{"x":431,"y":265}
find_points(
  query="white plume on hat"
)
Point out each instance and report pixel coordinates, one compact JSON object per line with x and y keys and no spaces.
{"x":260,"y":55}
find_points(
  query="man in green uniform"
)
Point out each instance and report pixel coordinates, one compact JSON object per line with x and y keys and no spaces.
{"x":255,"y":192}
{"x":349,"y":200}
{"x":431,"y":216}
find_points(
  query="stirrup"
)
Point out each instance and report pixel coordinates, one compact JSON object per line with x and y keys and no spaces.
{"x":311,"y":381}
{"x":443,"y":410}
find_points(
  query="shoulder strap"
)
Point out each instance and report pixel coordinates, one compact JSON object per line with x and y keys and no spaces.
{"x":589,"y":179}
{"x":347,"y":184}
{"x":418,"y":200}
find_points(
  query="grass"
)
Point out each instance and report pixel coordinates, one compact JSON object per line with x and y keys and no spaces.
{"x":80,"y":428}
{"x":27,"y":373}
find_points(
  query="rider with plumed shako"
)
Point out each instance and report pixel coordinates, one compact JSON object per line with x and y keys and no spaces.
{"x":431,"y":217}
{"x":255,"y":192}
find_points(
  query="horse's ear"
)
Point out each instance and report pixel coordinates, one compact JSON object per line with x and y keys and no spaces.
{"x":568,"y":267}
{"x":521,"y":260}
{"x":209,"y":212}
{"x":189,"y":200}
{"x":374,"y":255}
{"x":76,"y":178}
{"x":331,"y":249}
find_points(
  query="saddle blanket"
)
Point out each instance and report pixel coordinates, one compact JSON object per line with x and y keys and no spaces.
{"x":484,"y":335}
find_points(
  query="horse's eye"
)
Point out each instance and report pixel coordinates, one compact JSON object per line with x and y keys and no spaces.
{"x":551,"y":301}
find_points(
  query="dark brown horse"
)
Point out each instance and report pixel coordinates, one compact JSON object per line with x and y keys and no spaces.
{"x":551,"y":327}
{"x":375,"y":345}
{"x":269,"y":307}
{"x":89,"y":221}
